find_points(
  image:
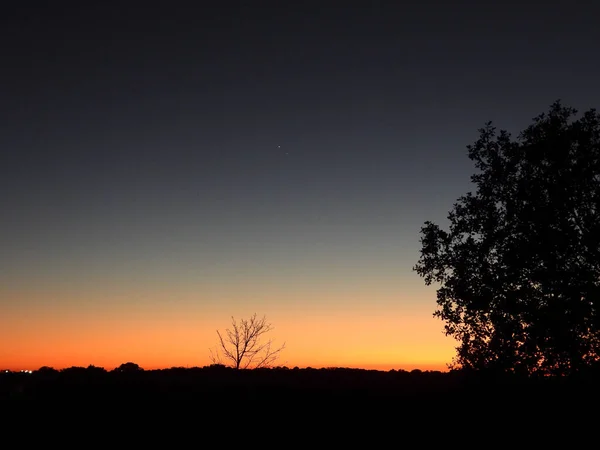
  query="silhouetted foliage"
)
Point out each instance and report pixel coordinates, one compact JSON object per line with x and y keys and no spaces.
{"x":152,"y":406}
{"x":46,"y":370}
{"x":74,"y":370}
{"x":128,"y":367}
{"x":243,"y":346}
{"x":519,"y":266}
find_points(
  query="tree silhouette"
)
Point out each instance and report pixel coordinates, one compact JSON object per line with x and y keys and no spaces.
{"x":519,"y":267}
{"x":128,"y":367}
{"x":243,"y":347}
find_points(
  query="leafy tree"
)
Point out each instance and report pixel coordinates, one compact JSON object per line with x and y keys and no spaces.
{"x":47,"y":370}
{"x":518,"y":268}
{"x":128,"y":367}
{"x":243,"y":346}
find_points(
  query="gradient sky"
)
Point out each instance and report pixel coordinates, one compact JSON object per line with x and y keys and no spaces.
{"x":164,"y":168}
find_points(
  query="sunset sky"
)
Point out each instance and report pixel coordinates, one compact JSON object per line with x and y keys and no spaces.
{"x":165,"y":168}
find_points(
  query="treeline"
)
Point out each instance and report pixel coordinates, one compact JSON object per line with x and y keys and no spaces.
{"x":280,"y":384}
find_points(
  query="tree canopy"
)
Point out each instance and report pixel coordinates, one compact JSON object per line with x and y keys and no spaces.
{"x":518,"y":269}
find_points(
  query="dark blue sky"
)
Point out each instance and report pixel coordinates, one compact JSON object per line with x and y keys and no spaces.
{"x":303,"y":143}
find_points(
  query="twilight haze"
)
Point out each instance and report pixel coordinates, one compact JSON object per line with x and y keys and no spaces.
{"x":165,"y":168}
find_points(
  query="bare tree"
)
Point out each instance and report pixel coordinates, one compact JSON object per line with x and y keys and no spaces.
{"x":243,"y":346}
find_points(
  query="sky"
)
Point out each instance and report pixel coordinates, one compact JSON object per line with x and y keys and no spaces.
{"x":164,"y":168}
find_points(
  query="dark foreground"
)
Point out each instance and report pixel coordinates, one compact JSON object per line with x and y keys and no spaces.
{"x":290,"y":407}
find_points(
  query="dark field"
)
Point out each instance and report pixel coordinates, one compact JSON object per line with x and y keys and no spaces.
{"x":338,"y":405}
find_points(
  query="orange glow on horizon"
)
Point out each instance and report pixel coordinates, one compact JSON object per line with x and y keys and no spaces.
{"x":107,"y":329}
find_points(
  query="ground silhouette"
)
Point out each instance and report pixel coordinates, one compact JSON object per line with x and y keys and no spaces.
{"x":217,"y":382}
{"x":333,"y":406}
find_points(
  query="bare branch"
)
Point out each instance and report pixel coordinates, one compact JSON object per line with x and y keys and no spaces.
{"x":243,"y":347}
